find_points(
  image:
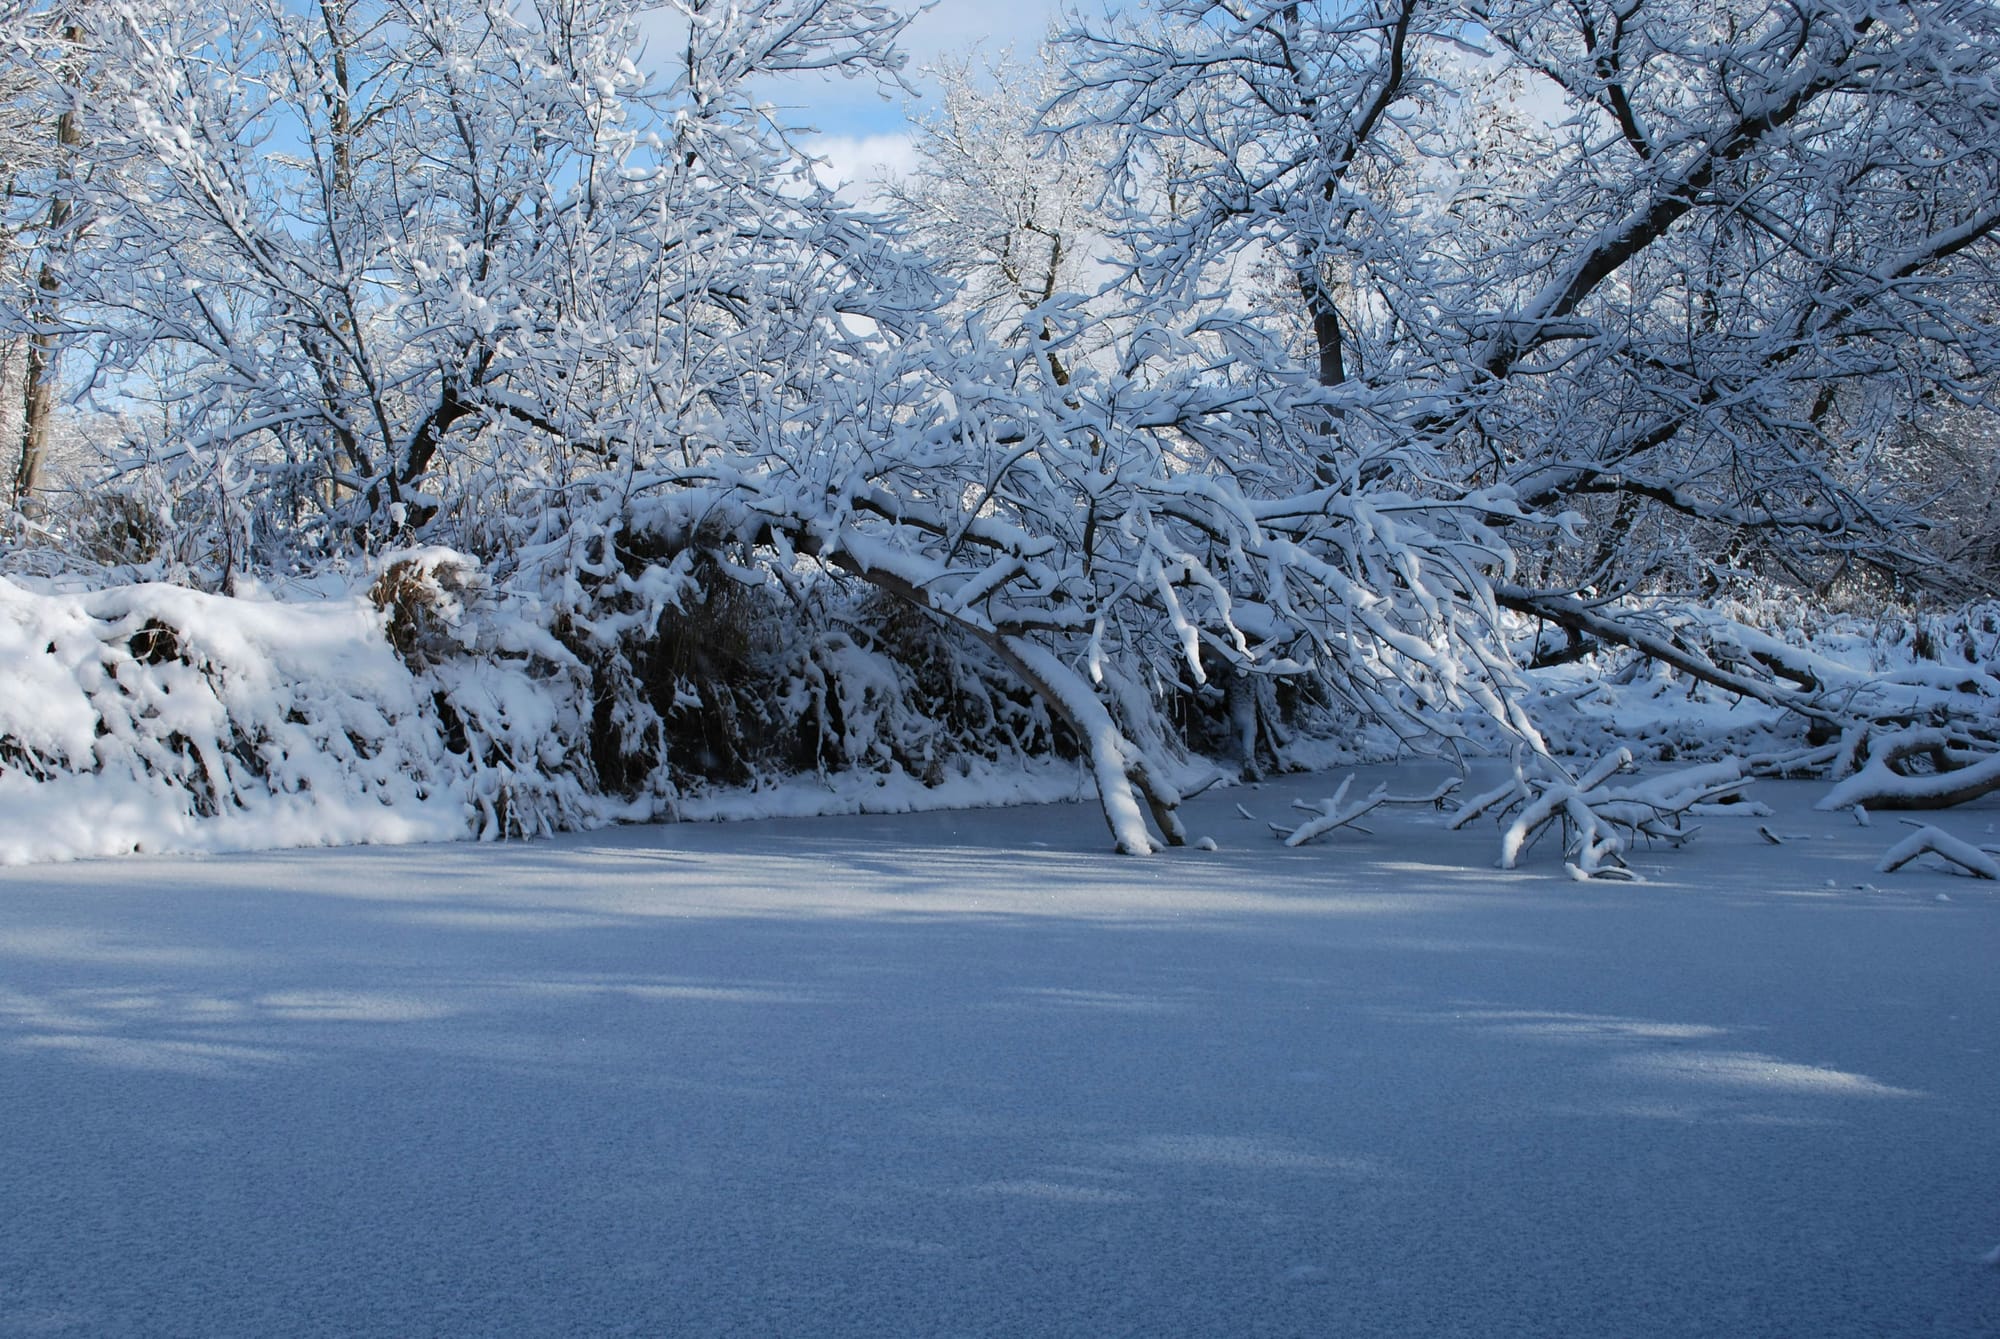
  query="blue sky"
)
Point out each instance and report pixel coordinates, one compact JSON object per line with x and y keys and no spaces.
{"x":852,"y":107}
{"x":863,"y":134}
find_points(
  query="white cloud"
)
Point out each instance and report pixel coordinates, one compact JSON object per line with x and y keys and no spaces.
{"x":956,"y":25}
{"x":860,"y":163}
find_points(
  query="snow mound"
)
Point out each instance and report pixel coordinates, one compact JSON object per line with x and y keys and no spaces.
{"x":156,"y":718}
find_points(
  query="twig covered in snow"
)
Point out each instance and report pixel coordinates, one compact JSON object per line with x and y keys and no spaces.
{"x":1336,"y":812}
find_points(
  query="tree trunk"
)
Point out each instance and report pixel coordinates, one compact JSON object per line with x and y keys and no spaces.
{"x":37,"y":404}
{"x":1332,"y":366}
{"x":39,"y":395}
{"x":1126,"y":777}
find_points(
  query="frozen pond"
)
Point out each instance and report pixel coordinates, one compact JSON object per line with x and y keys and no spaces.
{"x":972,"y":1074}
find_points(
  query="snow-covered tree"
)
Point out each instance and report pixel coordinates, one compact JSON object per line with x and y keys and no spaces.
{"x":412,"y":262}
{"x":1748,"y":245}
{"x":1572,"y":300}
{"x":1017,"y":218}
{"x":1752,"y":249}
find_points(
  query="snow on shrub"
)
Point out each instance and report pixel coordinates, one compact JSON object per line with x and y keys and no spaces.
{"x":153,"y":717}
{"x":426,"y":705}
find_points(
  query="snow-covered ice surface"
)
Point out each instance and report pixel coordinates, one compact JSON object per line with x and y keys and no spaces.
{"x":972,"y":1074}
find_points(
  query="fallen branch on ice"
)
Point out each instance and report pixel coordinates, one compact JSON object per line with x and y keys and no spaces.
{"x":1959,"y":771}
{"x":1338,"y":813}
{"x":1600,"y":820}
{"x":1942,"y":844}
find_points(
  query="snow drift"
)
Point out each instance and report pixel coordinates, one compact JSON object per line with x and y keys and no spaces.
{"x":153,"y":717}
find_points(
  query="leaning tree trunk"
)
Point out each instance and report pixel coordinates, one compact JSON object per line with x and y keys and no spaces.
{"x":1131,"y":783}
{"x":1125,"y":774}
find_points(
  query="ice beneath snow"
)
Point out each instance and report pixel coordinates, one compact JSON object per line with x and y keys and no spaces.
{"x":972,"y":1074}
